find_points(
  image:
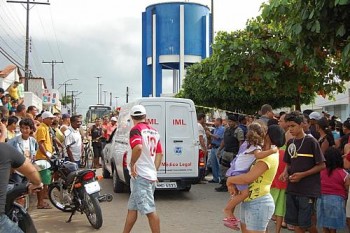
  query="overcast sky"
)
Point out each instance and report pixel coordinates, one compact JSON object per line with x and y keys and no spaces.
{"x":96,"y":38}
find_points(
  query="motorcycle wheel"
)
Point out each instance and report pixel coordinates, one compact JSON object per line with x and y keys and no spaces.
{"x":92,"y":210}
{"x":24,"y":221}
{"x":66,"y":204}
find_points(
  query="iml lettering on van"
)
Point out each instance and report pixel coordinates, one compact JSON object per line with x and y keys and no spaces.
{"x":179,"y":122}
{"x":152,"y":121}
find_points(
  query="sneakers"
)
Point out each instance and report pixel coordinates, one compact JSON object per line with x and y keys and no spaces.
{"x":222,"y":188}
{"x":213,"y":181}
{"x":231,"y":222}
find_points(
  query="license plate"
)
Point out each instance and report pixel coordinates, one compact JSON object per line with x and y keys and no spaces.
{"x":166,"y":185}
{"x":92,"y":187}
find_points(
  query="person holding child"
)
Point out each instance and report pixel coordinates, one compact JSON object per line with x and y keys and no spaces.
{"x":252,"y":150}
{"x":258,"y":206}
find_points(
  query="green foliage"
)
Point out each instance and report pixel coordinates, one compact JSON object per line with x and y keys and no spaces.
{"x":297,"y":48}
{"x":66,"y":100}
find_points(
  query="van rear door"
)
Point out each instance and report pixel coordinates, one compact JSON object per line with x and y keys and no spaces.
{"x":175,"y":121}
{"x":181,"y":140}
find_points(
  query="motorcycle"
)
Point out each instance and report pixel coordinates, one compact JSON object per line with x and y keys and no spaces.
{"x":76,"y":190}
{"x":15,"y":211}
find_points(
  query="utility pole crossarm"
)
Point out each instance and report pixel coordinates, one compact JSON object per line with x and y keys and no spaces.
{"x":25,"y":2}
{"x":53,"y":63}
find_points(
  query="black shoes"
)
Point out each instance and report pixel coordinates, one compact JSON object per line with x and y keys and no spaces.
{"x":222,"y":188}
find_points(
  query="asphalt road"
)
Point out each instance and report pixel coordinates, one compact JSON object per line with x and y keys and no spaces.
{"x":196,"y":211}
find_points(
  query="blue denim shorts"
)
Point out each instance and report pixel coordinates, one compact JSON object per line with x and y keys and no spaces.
{"x":257,"y":213}
{"x":8,"y":226}
{"x":141,"y":197}
{"x":331,"y":212}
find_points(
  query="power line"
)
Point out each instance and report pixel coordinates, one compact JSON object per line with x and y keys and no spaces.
{"x":26,"y":59}
{"x":10,"y":58}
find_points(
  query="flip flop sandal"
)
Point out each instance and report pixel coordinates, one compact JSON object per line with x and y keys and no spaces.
{"x":45,"y":206}
{"x":232,"y":225}
{"x":231,"y":219}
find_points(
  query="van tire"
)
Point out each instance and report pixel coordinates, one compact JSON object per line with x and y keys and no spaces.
{"x":118,"y":186}
{"x":105,"y":173}
{"x":187,"y":188}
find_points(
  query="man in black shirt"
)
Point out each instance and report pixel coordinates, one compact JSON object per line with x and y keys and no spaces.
{"x":11,"y":158}
{"x":233,"y":139}
{"x":304,"y":160}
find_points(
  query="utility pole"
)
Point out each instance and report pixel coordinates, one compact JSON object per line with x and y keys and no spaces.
{"x":127,"y":94}
{"x":72,"y":104}
{"x":26,"y":58}
{"x":116,"y":101}
{"x":98,"y":89}
{"x":105,"y":96}
{"x":65,"y":93}
{"x":110,"y":99}
{"x":53,"y":63}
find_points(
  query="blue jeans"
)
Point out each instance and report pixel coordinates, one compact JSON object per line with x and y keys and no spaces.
{"x":214,"y":162}
{"x":6,"y":225}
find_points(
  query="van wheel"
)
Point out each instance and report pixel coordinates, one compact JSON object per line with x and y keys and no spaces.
{"x":105,"y":173}
{"x":187,"y":188}
{"x":118,"y":186}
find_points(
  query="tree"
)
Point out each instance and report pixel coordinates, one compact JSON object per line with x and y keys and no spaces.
{"x":321,"y":28}
{"x":249,"y":68}
{"x":66,"y":100}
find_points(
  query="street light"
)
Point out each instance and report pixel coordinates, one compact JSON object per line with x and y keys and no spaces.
{"x":100,"y":92}
{"x":98,"y":89}
{"x":116,"y":101}
{"x":65,"y":84}
{"x":105,"y":96}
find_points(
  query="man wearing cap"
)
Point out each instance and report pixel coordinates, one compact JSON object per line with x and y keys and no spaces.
{"x":111,"y":126}
{"x":145,"y":160}
{"x":314,"y":117}
{"x":233,"y":139}
{"x":45,"y":151}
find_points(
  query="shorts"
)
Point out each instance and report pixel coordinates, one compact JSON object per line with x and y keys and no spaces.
{"x":279,"y":197}
{"x":46,"y":176}
{"x":97,"y":149}
{"x":141,"y":197}
{"x":300,"y":210}
{"x":331,"y":212}
{"x":257,"y":213}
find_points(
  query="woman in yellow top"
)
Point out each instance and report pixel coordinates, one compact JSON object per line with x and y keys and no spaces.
{"x":258,"y":208}
{"x":13,"y":91}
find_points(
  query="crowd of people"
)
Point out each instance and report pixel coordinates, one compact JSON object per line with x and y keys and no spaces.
{"x":39,"y":135}
{"x":289,"y":167}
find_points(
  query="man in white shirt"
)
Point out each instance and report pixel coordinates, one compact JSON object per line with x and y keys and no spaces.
{"x":73,"y":140}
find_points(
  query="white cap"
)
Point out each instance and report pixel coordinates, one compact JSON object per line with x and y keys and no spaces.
{"x":114,"y":119}
{"x":138,"y":110}
{"x":315,"y":116}
{"x":47,"y":115}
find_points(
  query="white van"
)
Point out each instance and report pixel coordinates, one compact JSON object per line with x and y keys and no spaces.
{"x":176,"y":121}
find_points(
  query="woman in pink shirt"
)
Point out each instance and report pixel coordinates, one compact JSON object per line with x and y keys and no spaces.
{"x":334,"y":183}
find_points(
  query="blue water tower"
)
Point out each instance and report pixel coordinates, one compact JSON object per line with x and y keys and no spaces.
{"x":175,"y":35}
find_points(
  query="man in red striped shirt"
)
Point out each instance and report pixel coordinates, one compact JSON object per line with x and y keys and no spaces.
{"x":145,"y":160}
